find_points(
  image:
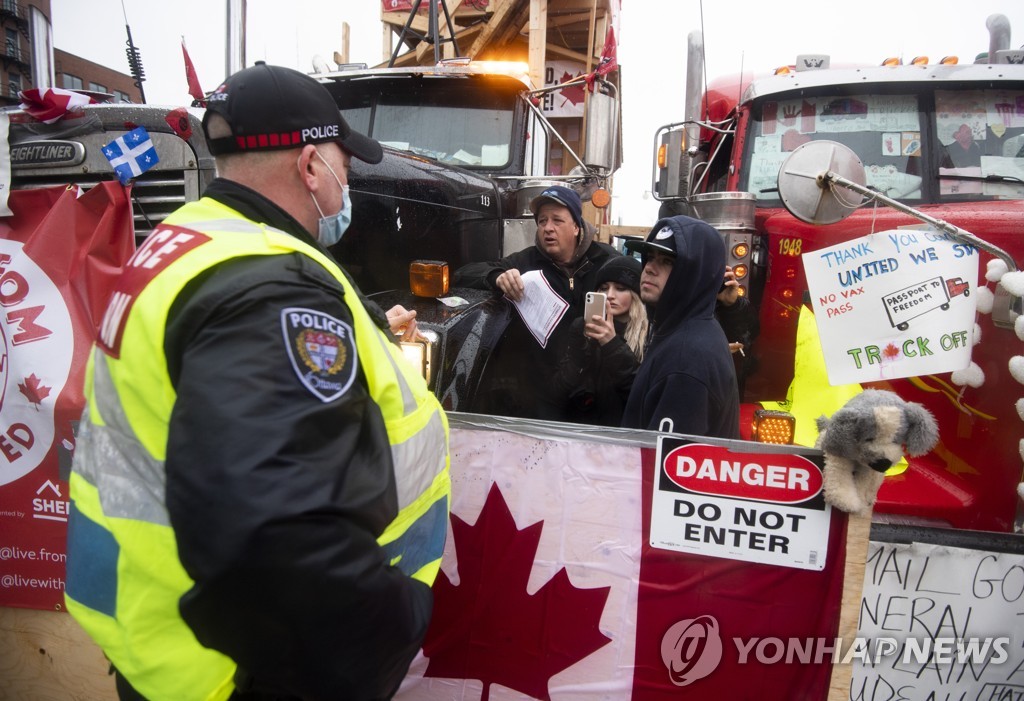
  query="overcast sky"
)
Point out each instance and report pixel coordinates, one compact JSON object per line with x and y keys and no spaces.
{"x":755,"y":34}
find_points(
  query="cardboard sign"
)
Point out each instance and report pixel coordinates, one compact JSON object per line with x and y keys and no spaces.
{"x":940,"y":623}
{"x":755,"y":507}
{"x":894,"y":304}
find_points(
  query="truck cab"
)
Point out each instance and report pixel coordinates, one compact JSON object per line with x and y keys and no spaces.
{"x":466,"y":149}
{"x":944,"y":138}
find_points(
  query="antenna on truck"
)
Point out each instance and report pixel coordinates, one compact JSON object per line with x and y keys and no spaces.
{"x":134,"y":58}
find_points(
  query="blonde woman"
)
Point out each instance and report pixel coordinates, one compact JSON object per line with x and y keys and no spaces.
{"x":603,"y":354}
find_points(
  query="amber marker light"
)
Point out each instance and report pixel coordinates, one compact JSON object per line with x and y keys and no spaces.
{"x":740,"y":250}
{"x":919,"y":61}
{"x":771,"y":426}
{"x":740,"y":271}
{"x":428,"y":278}
{"x":601,"y":198}
{"x":949,"y":61}
{"x":893,"y":61}
{"x":662,"y":155}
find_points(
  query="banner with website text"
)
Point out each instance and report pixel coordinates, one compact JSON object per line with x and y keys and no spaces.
{"x":59,"y":254}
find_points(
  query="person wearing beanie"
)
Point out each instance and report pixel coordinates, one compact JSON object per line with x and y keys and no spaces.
{"x":603,"y":353}
{"x":519,"y":378}
{"x":687,"y":372}
{"x":251,"y":517}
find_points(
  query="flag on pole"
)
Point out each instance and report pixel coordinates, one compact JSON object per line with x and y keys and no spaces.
{"x":131,"y":155}
{"x":609,"y":54}
{"x":194,"y":88}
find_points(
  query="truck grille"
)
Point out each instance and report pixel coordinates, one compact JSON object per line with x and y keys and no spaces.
{"x":154,"y":195}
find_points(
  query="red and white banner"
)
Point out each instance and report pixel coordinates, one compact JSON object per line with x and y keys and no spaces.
{"x":59,"y":255}
{"x":550,"y":588}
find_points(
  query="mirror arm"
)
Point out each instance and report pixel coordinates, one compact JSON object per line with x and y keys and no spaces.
{"x":827,"y":178}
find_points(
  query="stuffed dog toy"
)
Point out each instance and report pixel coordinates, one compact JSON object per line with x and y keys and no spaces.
{"x":866,"y":437}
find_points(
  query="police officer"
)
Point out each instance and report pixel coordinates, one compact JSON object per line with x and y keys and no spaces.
{"x":260,"y":488}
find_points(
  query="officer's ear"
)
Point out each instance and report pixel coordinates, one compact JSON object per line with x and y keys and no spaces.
{"x":307,"y":166}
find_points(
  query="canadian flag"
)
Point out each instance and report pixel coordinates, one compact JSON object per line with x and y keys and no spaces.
{"x":50,"y":104}
{"x":550,"y":588}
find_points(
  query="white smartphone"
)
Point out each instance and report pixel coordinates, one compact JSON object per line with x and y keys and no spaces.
{"x":595,"y":305}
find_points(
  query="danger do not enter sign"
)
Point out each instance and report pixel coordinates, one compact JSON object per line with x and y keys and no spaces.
{"x":755,"y":506}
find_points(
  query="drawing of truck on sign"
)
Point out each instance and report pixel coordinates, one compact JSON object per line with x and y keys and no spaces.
{"x":911,"y":302}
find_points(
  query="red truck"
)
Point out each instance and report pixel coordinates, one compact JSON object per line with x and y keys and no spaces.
{"x":907,"y":123}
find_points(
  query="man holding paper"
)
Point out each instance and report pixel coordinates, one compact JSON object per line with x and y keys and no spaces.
{"x":547,"y":283}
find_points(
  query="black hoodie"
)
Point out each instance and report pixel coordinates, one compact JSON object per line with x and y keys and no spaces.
{"x":687,"y":374}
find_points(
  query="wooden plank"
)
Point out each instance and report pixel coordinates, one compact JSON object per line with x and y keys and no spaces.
{"x":506,"y":12}
{"x":858,"y":534}
{"x":46,"y":656}
{"x":538,"y":40}
{"x":345,"y":33}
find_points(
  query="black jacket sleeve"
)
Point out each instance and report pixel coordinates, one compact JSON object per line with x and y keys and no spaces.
{"x":739,"y":321}
{"x":277,"y":497}
{"x":619,"y":365}
{"x":481,"y":276}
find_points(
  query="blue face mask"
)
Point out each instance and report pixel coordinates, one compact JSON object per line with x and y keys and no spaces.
{"x":332,"y":228}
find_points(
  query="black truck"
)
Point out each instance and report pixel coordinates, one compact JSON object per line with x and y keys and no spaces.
{"x":466,"y":150}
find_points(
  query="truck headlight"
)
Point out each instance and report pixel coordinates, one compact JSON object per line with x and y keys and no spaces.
{"x":420,"y":353}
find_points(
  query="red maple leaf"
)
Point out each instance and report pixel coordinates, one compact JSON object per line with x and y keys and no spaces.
{"x":489,"y":628}
{"x":574,"y":93}
{"x":34,"y":390}
{"x":891,"y":351}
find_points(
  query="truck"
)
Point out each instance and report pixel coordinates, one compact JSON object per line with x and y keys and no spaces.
{"x":466,"y":149}
{"x":906,"y":123}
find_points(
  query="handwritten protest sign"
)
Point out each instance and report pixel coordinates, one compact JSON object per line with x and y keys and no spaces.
{"x":894,"y":304}
{"x":940,"y":623}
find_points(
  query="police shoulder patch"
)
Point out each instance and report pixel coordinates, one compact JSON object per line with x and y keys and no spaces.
{"x":321,"y":349}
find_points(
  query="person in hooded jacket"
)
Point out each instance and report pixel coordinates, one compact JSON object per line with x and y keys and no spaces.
{"x":519,"y":378}
{"x":687,"y":374}
{"x":603,"y":354}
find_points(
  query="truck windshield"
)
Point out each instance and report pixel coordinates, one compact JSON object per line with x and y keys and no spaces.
{"x":937,"y":146}
{"x":459,"y":123}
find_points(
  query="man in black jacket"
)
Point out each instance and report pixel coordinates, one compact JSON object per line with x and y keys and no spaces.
{"x":519,"y":375}
{"x":687,"y":373}
{"x":246,"y":519}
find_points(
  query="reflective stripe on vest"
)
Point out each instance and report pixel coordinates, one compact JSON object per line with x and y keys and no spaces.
{"x":124,"y":577}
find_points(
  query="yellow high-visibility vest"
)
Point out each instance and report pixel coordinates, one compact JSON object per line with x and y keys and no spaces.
{"x":124,"y":577}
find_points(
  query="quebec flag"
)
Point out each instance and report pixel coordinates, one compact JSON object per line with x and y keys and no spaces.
{"x":131,"y":155}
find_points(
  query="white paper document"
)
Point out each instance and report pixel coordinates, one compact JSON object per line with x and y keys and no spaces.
{"x":541,"y":307}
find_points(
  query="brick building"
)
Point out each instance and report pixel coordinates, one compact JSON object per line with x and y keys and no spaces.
{"x":76,"y":73}
{"x":27,"y":59}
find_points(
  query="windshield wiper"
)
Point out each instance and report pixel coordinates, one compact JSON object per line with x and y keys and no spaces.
{"x":984,"y":178}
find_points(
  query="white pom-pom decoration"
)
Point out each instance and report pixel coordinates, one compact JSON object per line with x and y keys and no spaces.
{"x":972,"y":376}
{"x":977,"y":333}
{"x":1013,"y":283}
{"x":985,"y":299}
{"x":1018,"y":327}
{"x":1020,"y":408}
{"x":1020,"y":490}
{"x":1017,"y":368}
{"x":1020,"y":448}
{"x":996,"y":269}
